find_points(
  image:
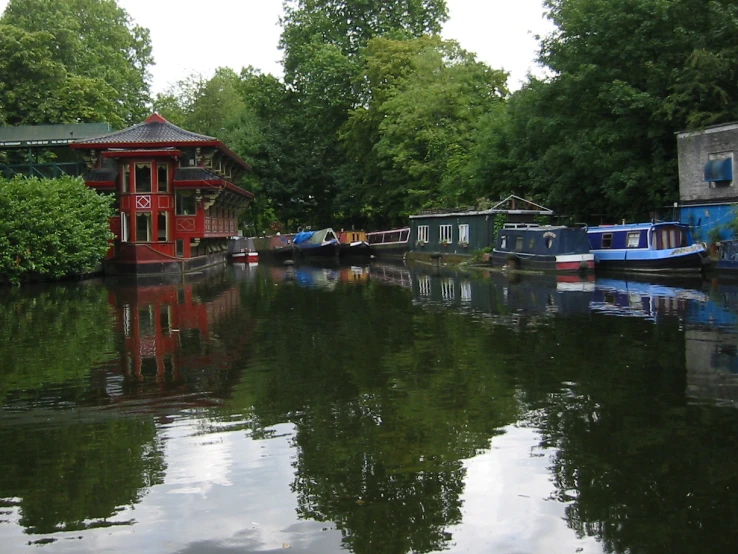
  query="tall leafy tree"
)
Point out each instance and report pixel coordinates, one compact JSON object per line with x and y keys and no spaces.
{"x":88,"y":55}
{"x":409,"y":141}
{"x":322,"y":42}
{"x":597,"y":137}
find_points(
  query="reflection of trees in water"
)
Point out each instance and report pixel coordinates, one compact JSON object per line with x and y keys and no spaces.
{"x":51,"y":335}
{"x":640,"y":469}
{"x":387,"y":400}
{"x":74,"y":475}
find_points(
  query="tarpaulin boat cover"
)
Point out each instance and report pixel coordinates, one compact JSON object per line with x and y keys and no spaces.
{"x":304,"y":236}
{"x":315,"y":237}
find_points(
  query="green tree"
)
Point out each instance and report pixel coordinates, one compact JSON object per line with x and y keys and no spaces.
{"x":87,"y":55}
{"x":206,"y":106}
{"x":322,"y":42}
{"x":51,"y":228}
{"x":597,"y":136}
{"x":408,"y":143}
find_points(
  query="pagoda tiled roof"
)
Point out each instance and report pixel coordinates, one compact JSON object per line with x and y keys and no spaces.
{"x":154,"y":131}
{"x":101,"y":175}
{"x":195,"y":174}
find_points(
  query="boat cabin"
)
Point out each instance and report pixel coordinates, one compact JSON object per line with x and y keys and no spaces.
{"x":543,"y":247}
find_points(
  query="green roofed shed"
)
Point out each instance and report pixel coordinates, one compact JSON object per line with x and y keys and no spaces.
{"x":49,"y":136}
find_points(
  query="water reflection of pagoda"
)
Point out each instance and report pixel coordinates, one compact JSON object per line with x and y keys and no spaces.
{"x":167,"y":333}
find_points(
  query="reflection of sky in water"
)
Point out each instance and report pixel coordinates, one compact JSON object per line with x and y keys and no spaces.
{"x":506,"y":505}
{"x":227,"y":493}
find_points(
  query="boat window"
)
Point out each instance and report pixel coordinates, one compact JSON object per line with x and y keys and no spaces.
{"x":404,"y":235}
{"x":179,"y":250}
{"x":519,"y":242}
{"x":634,"y":239}
{"x":143,"y":227}
{"x":445,"y":233}
{"x":185,"y":202}
{"x":162,"y":176}
{"x":124,"y":227}
{"x":549,"y":242}
{"x":423,"y":233}
{"x":503,"y":241}
{"x":607,"y":240}
{"x":162,"y":225}
{"x":125,"y":178}
{"x":143,"y":177}
{"x":531,"y":243}
{"x":673,"y":237}
{"x":464,"y":232}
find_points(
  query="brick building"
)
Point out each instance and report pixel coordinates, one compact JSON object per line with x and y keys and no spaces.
{"x":707,"y":189}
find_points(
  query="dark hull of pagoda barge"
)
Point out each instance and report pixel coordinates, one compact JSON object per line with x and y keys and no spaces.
{"x":532,"y":247}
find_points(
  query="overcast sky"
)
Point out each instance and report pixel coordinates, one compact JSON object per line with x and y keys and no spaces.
{"x":189,"y":37}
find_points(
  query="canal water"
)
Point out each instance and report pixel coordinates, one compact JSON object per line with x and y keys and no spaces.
{"x":369,"y":409}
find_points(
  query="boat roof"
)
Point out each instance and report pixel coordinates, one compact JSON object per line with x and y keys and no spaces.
{"x":631,"y":226}
{"x":536,"y":227}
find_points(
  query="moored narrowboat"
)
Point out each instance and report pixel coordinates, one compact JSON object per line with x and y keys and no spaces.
{"x":353,"y":243}
{"x":652,"y":247}
{"x":543,"y":248}
{"x":321,"y":243}
{"x":274,"y":246}
{"x":390,"y":243}
{"x":242,"y":250}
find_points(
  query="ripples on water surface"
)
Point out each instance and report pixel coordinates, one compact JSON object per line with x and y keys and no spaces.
{"x":371,"y":410}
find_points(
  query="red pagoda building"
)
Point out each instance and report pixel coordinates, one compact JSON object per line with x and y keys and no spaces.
{"x":175,"y":196}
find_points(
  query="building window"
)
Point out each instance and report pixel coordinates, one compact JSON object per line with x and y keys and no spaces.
{"x":162,"y":177}
{"x":185,"y":202}
{"x":464,"y":233}
{"x":143,"y":227}
{"x":179,"y":250}
{"x":124,"y":227}
{"x":634,"y":239}
{"x":446,"y":232}
{"x":719,"y":169}
{"x":162,"y":226}
{"x":607,"y":240}
{"x":125,"y":178}
{"x":423,"y":233}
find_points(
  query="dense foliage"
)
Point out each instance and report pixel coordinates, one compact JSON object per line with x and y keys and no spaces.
{"x":597,"y":136}
{"x":51,"y":228}
{"x":377,"y":117}
{"x":72,"y":61}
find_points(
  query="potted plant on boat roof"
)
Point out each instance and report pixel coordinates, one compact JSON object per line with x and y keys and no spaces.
{"x":420,"y":243}
{"x":463,"y":244}
{"x":444,"y":243}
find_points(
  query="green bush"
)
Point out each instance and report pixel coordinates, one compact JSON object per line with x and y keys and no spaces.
{"x":51,"y":228}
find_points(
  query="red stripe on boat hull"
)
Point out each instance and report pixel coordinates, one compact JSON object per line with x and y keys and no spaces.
{"x":575,"y":266}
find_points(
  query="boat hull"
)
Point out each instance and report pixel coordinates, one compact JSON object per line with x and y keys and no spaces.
{"x":563,"y":263}
{"x":354,"y":250}
{"x":244,"y":257}
{"x":652,"y":262}
{"x":329,"y":250}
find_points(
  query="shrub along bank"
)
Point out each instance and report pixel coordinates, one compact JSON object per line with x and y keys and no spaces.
{"x":51,"y":228}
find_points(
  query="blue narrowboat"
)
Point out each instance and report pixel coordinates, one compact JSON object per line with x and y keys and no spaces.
{"x":649,"y":247}
{"x":543,"y":247}
{"x":322,"y":243}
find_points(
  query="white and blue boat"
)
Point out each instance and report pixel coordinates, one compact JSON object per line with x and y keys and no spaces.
{"x":654,"y":247}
